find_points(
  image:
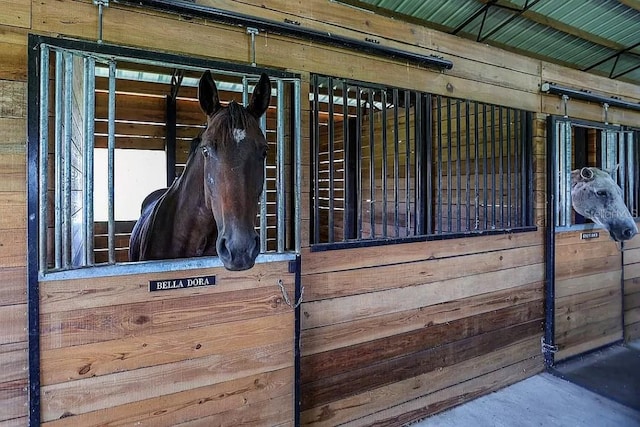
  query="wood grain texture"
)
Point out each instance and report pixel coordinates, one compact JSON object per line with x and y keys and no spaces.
{"x":15,"y":13}
{"x":219,"y":400}
{"x":372,"y":376}
{"x":420,"y":386}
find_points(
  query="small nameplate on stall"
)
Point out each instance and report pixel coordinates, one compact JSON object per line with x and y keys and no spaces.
{"x":190,"y":282}
{"x":592,"y":235}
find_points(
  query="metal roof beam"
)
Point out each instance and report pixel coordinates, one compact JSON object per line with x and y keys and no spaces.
{"x":633,"y":4}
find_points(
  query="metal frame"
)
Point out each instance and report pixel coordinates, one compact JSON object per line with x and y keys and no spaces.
{"x":587,"y":95}
{"x":434,"y":209}
{"x":65,"y":51}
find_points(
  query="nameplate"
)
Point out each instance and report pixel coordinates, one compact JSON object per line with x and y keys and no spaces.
{"x":189,"y":282}
{"x":591,"y":235}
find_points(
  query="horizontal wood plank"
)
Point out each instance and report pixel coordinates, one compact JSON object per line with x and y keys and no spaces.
{"x":143,"y":350}
{"x":221,"y":398}
{"x":421,"y":386}
{"x":333,"y":311}
{"x":86,"y":326}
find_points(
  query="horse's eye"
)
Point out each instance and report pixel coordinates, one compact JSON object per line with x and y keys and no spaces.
{"x":264,"y":152}
{"x":205,"y":151}
{"x":601,"y":193}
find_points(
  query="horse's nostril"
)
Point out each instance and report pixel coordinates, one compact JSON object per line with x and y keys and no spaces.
{"x":628,"y":233}
{"x":223,"y":250}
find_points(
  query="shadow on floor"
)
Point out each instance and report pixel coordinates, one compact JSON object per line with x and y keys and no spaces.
{"x":612,"y":372}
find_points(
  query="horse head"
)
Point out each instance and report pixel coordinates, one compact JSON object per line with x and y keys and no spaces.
{"x":595,"y":195}
{"x":233,"y":149}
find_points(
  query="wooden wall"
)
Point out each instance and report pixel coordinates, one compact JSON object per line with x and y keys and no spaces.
{"x":588,"y":293}
{"x":390,"y":333}
{"x":631,"y":276}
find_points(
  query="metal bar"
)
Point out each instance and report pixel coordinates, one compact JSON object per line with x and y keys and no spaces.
{"x":508,"y":20}
{"x":588,"y":96}
{"x":383,"y":129}
{"x":421,"y":217}
{"x":297,"y":140}
{"x":501,"y":164}
{"x":439,"y":163}
{"x":485,"y":189}
{"x":565,"y":170}
{"x":316,"y":159}
{"x":396,"y":165}
{"x":43,"y":159}
{"x":631,"y":171}
{"x":331,"y":165}
{"x":281,"y":167}
{"x":58,"y":163}
{"x":468,"y":164}
{"x":111,"y":227}
{"x":37,"y":155}
{"x":359,"y":147}
{"x":372,"y":165}
{"x":89,"y":138}
{"x":476,"y":134}
{"x":170,"y":137}
{"x":425,"y":120}
{"x":348,"y":169}
{"x":263,"y":195}
{"x":509,"y":141}
{"x":66,"y":161}
{"x":224,"y":16}
{"x":458,"y":177}
{"x":493,"y":167}
{"x":614,"y":55}
{"x":407,"y":165}
{"x":550,"y":261}
{"x":449,"y":170}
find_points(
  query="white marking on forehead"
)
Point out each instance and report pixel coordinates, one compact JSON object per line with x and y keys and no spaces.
{"x":239,"y":135}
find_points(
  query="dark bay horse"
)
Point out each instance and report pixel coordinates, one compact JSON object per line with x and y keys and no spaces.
{"x":211,"y":208}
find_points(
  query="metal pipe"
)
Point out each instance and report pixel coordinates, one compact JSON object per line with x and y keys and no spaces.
{"x":493,"y":167}
{"x":331,"y":165}
{"x":383,"y":130}
{"x":485,"y":192}
{"x":439,"y":164}
{"x":396,"y":165}
{"x":476,"y":162}
{"x":449,"y":170}
{"x":407,"y":166}
{"x":316,"y":158}
{"x":359,"y":147}
{"x":468,"y":164}
{"x":275,"y":27}
{"x":264,"y":202}
{"x":372,"y":179}
{"x":297,"y":140}
{"x":58,"y":166}
{"x":66,"y":161}
{"x":501,"y":164}
{"x":43,"y":159}
{"x":281,"y":167}
{"x":89,"y":138}
{"x":458,"y":176}
{"x":548,"y":343}
{"x":584,"y":95}
{"x":111,"y":145}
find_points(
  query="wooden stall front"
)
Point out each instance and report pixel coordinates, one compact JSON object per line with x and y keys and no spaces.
{"x":389,"y":333}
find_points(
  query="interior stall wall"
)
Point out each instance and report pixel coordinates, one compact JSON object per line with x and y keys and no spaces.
{"x":631,"y":289}
{"x":588,"y":306}
{"x":461,"y":332}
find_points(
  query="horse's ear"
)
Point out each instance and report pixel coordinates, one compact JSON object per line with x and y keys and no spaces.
{"x":208,"y":94}
{"x":586,"y":174}
{"x":261,"y":97}
{"x":612,"y":172}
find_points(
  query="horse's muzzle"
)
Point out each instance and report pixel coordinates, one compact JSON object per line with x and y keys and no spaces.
{"x":238,"y":254}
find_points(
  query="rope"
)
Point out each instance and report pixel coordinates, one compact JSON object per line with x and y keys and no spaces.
{"x":285,"y":295}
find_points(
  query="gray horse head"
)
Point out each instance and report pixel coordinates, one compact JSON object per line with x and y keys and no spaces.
{"x":595,"y":195}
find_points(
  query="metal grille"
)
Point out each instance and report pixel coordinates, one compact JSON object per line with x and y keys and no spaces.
{"x":74,"y":114}
{"x":581,"y":144}
{"x":390,"y":163}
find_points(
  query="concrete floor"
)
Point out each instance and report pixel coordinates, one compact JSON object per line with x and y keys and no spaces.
{"x":608,"y":396}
